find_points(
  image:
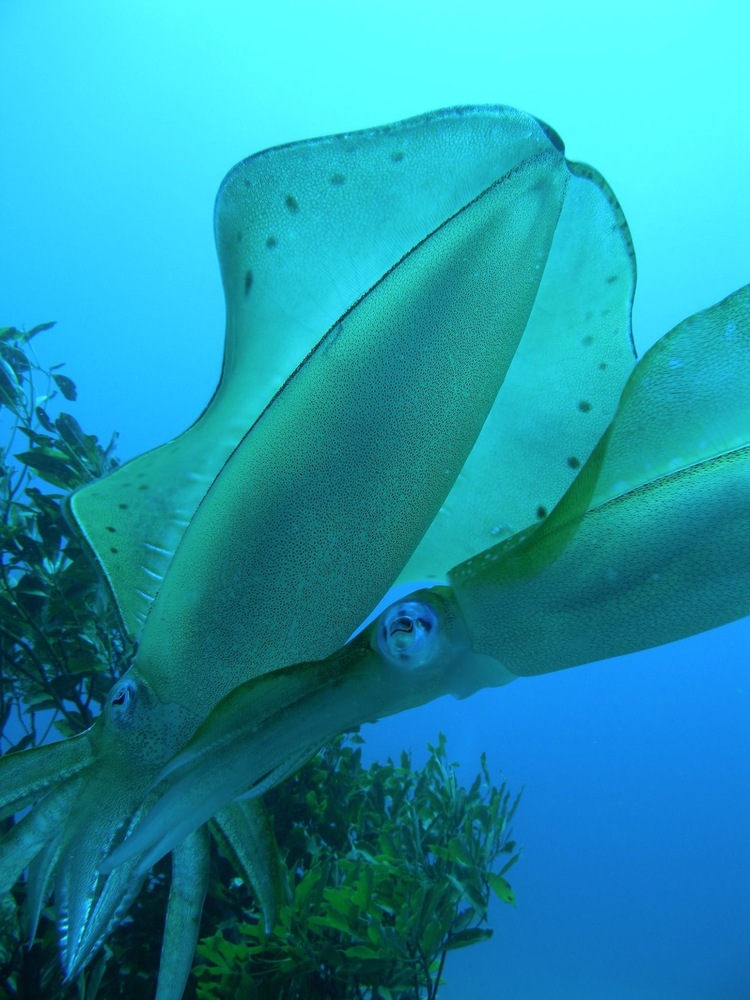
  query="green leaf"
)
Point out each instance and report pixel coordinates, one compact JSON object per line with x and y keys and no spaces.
{"x":363,"y":891}
{"x":50,"y":465}
{"x":65,"y":729}
{"x":464,"y":919}
{"x":432,"y":939}
{"x":331,"y":921}
{"x":458,"y":851}
{"x":375,"y":933}
{"x":465,"y":938}
{"x":16,"y":358}
{"x":361,"y":951}
{"x":23,"y":743}
{"x":66,"y":386}
{"x":83,"y":447}
{"x":305,"y":887}
{"x":11,"y":394}
{"x":340,"y":900}
{"x":501,"y":888}
{"x":43,"y":417}
{"x":26,"y":336}
{"x":508,"y":865}
{"x":37,"y":439}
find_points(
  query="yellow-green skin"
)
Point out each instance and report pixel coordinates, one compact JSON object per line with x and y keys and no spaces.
{"x":452,"y":298}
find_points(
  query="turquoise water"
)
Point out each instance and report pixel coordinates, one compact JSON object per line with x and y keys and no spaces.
{"x":118,"y":122}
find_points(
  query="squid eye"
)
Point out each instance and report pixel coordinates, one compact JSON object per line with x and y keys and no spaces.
{"x":121,"y":700}
{"x":408,"y":634}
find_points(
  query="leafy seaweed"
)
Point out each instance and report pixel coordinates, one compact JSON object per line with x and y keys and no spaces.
{"x":389,"y":868}
{"x":60,"y":648}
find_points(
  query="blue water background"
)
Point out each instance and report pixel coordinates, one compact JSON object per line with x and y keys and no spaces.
{"x":118,"y":121}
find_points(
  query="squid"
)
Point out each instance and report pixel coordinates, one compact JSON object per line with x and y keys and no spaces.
{"x":429,"y":378}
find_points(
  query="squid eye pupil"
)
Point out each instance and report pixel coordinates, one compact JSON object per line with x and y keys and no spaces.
{"x":407,"y":634}
{"x":402,"y":624}
{"x":121,"y":702}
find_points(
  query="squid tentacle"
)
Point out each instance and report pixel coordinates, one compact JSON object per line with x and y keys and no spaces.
{"x":82,"y":933}
{"x":26,"y":776}
{"x":38,"y":879}
{"x":244,"y":834}
{"x":89,"y":903}
{"x":27,"y":838}
{"x":190,"y":868}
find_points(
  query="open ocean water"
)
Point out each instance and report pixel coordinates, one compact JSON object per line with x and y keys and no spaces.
{"x":118,"y":121}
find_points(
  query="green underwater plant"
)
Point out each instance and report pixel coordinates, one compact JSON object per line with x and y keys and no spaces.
{"x":452,"y":298}
{"x":393,"y":869}
{"x":61,"y":647}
